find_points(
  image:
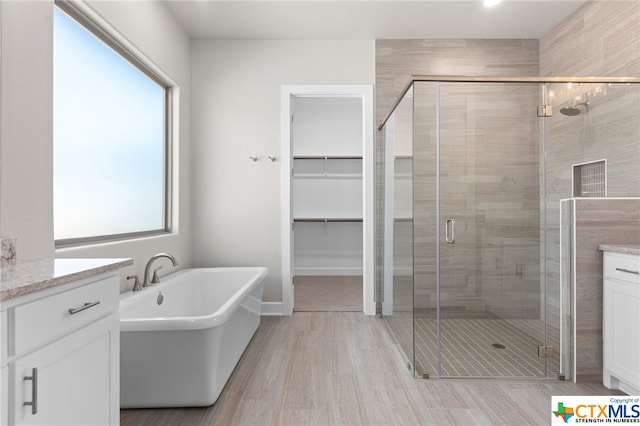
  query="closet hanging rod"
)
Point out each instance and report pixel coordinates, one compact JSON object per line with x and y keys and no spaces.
{"x":318,"y":220}
{"x":326,"y":157}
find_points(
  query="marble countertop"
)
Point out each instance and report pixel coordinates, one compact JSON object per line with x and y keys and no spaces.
{"x":23,"y":277}
{"x":621,"y":248}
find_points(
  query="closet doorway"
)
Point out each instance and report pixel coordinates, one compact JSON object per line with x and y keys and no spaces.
{"x":327,"y":192}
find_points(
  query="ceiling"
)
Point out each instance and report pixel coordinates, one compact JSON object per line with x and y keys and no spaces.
{"x":367,"y":20}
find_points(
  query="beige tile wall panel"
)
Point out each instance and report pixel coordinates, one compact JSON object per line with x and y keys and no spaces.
{"x":397,"y":60}
{"x":602,"y":38}
{"x":598,"y":221}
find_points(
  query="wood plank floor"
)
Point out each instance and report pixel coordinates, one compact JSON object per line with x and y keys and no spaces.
{"x":327,"y":293}
{"x":340,"y":368}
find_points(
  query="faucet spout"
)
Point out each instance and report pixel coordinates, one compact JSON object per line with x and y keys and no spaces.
{"x":147,"y":268}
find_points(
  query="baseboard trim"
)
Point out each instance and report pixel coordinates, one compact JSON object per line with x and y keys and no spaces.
{"x":271,"y":309}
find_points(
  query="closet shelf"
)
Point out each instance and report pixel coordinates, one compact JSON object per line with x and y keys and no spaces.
{"x":327,"y":157}
{"x":327,"y":175}
{"x":326,"y":220}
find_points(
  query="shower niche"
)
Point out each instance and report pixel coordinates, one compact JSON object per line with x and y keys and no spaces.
{"x":590,"y":179}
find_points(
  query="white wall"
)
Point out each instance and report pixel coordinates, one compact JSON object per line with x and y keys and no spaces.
{"x":26,"y":190}
{"x":236,"y":113}
{"x":26,"y":152}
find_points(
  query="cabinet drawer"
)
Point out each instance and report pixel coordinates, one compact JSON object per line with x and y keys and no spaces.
{"x":45,"y":319}
{"x":622,"y":267}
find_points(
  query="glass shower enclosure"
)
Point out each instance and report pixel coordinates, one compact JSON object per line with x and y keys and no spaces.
{"x":471,"y":283}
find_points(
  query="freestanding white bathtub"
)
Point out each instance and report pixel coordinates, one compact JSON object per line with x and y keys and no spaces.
{"x":180,"y":353}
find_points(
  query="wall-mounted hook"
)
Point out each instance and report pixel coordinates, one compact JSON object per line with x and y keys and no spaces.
{"x":253,"y":158}
{"x":272,"y":158}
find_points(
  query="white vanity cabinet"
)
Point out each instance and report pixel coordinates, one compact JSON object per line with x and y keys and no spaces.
{"x":621,"y":322}
{"x":62,"y":361}
{"x":74,"y":379}
{"x":4,"y":390}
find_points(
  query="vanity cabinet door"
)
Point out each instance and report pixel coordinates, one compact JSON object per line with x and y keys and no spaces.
{"x":73,"y":379}
{"x":4,"y":390}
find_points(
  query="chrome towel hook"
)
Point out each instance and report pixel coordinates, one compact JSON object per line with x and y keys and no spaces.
{"x":254,"y":158}
{"x":272,"y":158}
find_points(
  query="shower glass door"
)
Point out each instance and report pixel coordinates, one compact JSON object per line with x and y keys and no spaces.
{"x":480,"y":254}
{"x":397,"y":308}
{"x":479,"y":300}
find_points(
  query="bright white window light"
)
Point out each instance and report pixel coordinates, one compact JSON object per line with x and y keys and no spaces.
{"x":490,"y":3}
{"x":109,"y":140}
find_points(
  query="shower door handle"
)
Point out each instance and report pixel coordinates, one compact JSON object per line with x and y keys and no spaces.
{"x":450,"y":231}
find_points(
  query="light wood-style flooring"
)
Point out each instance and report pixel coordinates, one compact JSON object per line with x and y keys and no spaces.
{"x":327,"y":293}
{"x":340,"y":368}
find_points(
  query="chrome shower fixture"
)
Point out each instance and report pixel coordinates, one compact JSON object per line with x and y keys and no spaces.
{"x":573,"y":110}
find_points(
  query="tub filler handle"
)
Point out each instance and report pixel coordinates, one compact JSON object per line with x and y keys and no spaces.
{"x":155,"y":279}
{"x":136,"y":282}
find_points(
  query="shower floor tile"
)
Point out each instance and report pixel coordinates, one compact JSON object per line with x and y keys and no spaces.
{"x":468,"y":349}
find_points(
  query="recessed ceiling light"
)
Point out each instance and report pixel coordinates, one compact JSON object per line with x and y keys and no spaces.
{"x":491,"y":3}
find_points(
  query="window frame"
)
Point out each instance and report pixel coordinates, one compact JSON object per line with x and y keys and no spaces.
{"x":110,"y":38}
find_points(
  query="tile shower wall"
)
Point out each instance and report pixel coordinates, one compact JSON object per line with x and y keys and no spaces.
{"x":483,"y":151}
{"x":489,"y":168}
{"x":398,"y":60}
{"x":600,"y":39}
{"x":597,"y":221}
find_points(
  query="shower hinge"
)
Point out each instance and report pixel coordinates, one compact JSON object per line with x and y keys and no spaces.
{"x":545,"y":351}
{"x":544,"y":111}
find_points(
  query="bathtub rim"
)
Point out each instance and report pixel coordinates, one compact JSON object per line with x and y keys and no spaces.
{"x":194,"y":322}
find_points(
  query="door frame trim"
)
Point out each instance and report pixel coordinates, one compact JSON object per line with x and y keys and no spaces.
{"x":365,"y":92}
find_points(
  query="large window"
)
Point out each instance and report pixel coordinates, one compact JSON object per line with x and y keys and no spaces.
{"x":111,"y":148}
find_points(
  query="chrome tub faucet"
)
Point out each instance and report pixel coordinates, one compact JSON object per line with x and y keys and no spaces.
{"x":147,"y":268}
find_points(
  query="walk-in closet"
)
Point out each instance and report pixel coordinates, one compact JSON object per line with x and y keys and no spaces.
{"x":327,"y":238}
{"x":326,"y":142}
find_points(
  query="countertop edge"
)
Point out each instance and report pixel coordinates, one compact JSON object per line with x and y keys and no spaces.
{"x":29,"y":287}
{"x":621,"y":248}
